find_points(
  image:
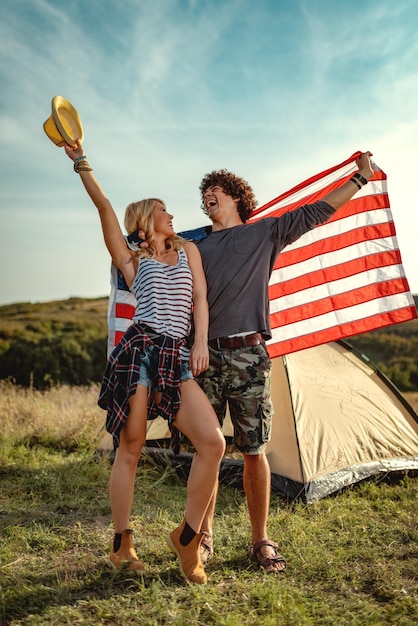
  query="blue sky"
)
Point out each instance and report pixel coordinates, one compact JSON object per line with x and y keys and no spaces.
{"x":168,"y":90}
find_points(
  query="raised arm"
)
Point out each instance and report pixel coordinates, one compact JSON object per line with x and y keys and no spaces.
{"x":112,"y":233}
{"x":199,"y":355}
{"x":338,"y":197}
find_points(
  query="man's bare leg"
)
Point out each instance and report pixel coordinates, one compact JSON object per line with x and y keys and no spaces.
{"x":257,"y":487}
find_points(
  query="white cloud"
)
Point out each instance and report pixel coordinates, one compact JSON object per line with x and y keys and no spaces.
{"x":170,"y":90}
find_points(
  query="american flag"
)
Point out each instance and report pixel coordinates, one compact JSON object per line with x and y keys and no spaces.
{"x":343,"y":278}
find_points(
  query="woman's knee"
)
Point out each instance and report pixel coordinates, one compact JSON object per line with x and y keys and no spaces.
{"x":131,"y":450}
{"x":213,"y":446}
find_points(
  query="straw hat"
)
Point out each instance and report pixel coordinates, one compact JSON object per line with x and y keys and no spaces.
{"x":64,"y":124}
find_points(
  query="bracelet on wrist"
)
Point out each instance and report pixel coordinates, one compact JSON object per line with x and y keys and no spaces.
{"x":355,"y":181}
{"x":361,"y":178}
{"x":82,"y":165}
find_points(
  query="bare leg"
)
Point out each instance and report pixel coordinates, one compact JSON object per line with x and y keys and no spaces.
{"x":198,"y":421}
{"x":257,"y":491}
{"x":257,"y":487}
{"x":122,"y":479}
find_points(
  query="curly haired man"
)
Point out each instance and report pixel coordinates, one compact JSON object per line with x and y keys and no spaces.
{"x":238,"y":259}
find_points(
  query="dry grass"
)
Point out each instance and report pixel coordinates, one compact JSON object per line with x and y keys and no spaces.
{"x":69,"y":415}
{"x":62,"y":414}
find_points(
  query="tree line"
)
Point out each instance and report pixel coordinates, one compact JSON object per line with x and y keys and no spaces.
{"x":60,"y":342}
{"x":65,"y":342}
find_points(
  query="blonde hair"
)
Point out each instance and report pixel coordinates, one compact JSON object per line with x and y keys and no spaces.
{"x":140,"y":216}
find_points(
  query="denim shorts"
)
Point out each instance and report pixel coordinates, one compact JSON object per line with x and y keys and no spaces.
{"x":149,"y":368}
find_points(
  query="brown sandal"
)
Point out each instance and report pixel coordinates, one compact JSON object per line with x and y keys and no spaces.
{"x":268,"y":562}
{"x":206,"y":549}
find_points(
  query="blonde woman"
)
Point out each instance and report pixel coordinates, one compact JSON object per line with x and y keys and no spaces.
{"x":151,"y":370}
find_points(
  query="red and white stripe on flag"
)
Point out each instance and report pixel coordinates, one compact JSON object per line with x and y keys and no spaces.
{"x":121,"y":309}
{"x":343,"y":278}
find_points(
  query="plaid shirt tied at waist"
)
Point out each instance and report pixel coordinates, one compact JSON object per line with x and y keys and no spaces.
{"x":121,"y":377}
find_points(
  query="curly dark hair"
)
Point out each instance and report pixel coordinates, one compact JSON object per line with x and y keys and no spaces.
{"x":235,"y":187}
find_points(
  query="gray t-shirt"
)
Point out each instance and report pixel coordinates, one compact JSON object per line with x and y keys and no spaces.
{"x":238,"y":262}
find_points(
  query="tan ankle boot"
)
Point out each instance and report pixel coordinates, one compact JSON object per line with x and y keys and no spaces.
{"x":125,"y":557}
{"x":190,"y":563}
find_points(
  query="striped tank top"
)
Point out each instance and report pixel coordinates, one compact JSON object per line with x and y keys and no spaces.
{"x":164,"y":296}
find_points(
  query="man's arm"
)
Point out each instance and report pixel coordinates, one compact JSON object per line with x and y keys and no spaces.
{"x":338,"y":197}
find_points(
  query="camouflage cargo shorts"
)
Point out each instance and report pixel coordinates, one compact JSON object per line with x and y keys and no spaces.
{"x":241,"y":378}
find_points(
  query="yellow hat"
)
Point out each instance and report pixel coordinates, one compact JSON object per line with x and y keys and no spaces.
{"x":64,"y":125}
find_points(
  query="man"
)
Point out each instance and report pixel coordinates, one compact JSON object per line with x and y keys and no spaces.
{"x":238,"y":259}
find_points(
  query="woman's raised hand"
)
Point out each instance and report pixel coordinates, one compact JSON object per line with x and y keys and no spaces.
{"x":74,"y":151}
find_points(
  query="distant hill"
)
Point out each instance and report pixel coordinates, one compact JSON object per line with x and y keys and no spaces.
{"x":64,"y":341}
{"x":30,"y":319}
{"x":46,"y":343}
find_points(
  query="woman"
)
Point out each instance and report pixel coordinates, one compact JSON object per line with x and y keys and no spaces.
{"x":152,"y":369}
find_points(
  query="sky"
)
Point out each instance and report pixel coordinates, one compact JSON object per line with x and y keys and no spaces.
{"x":168,"y":90}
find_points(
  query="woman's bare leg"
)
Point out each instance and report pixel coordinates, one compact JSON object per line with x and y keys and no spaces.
{"x":197,"y":420}
{"x":122,"y":478}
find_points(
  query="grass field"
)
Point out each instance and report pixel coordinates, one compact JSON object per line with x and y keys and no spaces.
{"x":352,"y":558}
